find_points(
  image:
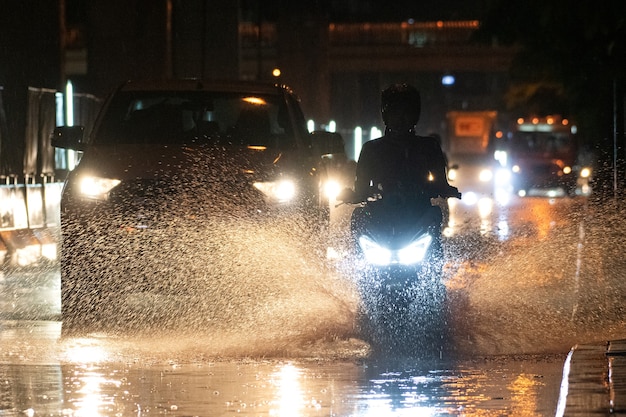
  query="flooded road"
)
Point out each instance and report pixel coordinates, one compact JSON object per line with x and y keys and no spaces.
{"x":526,"y":282}
{"x":44,"y":374}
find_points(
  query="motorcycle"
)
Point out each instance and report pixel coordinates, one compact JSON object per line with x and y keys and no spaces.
{"x":396,"y":242}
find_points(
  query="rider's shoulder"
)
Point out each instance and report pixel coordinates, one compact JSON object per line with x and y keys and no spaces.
{"x":427,"y":139}
{"x":374,"y":143}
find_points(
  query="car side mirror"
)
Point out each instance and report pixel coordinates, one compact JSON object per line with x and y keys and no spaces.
{"x":69,"y":137}
{"x":327,"y":143}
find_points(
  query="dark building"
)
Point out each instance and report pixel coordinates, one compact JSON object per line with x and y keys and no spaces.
{"x":338,"y":68}
{"x":30,"y":57}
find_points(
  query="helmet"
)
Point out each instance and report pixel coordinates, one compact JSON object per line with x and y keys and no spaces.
{"x":401,"y":98}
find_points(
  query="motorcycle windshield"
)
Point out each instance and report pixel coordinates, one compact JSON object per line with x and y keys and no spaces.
{"x":395,"y":226}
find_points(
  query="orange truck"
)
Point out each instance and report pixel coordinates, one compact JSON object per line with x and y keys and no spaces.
{"x":469,"y":146}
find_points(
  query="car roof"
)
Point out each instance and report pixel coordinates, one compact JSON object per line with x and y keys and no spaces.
{"x":235,"y":86}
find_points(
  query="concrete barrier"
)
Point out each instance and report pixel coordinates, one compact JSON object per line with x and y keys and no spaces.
{"x":29,"y":223}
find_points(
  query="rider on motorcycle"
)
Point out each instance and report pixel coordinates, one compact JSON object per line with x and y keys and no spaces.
{"x":401,"y":165}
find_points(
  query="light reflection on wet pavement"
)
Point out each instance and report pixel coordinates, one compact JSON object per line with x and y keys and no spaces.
{"x":521,"y":297}
{"x":101,"y":376}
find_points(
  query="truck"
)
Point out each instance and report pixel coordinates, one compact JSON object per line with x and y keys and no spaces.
{"x":542,"y":154}
{"x":469,"y":147}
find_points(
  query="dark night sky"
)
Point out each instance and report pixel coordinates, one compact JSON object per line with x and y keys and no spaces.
{"x":372,"y":10}
{"x":394,"y":10}
{"x":343,"y":10}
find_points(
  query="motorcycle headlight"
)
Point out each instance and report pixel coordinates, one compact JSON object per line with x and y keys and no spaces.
{"x":409,"y":255}
{"x":416,"y":251}
{"x":96,"y":188}
{"x":374,"y":253}
{"x":282,"y":191}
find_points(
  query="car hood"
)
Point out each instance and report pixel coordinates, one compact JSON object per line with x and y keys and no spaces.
{"x":160,"y":161}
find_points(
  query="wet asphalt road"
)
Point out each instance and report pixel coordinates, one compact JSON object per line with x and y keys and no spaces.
{"x":527,"y":282}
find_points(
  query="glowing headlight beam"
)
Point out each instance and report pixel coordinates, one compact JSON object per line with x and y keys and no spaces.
{"x":485,"y":175}
{"x":411,"y":254}
{"x":374,"y":254}
{"x":415,"y":252}
{"x":97,"y":188}
{"x":281,"y":191}
{"x":332,"y":189}
{"x":585,"y":172}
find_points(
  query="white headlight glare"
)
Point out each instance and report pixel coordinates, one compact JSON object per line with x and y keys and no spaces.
{"x":281,"y":191}
{"x":503,"y":177}
{"x":485,"y":175}
{"x":332,"y":189}
{"x":469,"y":198}
{"x":585,"y":172}
{"x":285,"y":190}
{"x":374,"y":254}
{"x":97,"y":188}
{"x":416,"y":251}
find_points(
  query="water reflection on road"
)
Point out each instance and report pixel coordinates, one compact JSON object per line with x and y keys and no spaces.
{"x":527,"y":281}
{"x":45,"y":374}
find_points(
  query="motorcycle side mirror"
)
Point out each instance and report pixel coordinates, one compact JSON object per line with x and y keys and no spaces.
{"x":69,"y":137}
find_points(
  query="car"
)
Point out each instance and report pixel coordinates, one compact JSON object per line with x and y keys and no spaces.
{"x":177,"y":180}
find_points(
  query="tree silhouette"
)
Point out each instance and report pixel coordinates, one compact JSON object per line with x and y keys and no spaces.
{"x":571,"y":58}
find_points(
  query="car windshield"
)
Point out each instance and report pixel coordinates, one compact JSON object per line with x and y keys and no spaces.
{"x":539,"y":143}
{"x":175,"y":117}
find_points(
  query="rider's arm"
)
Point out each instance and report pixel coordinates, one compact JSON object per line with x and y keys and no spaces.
{"x":439,"y":166}
{"x":364,"y":171}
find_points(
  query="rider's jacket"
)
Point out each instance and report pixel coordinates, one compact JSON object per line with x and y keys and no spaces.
{"x":401,"y":164}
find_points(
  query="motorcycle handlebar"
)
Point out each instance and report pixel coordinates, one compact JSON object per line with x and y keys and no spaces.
{"x":348,"y":194}
{"x":451,"y":194}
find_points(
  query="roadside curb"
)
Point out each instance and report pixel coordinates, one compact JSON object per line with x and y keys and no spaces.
{"x":594,"y":380}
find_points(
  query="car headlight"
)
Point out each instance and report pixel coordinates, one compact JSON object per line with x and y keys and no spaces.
{"x":585,"y":172}
{"x":485,"y":175}
{"x":503,"y":177}
{"x":96,"y":188}
{"x":332,"y":189}
{"x":470,"y":198}
{"x":282,"y":191}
